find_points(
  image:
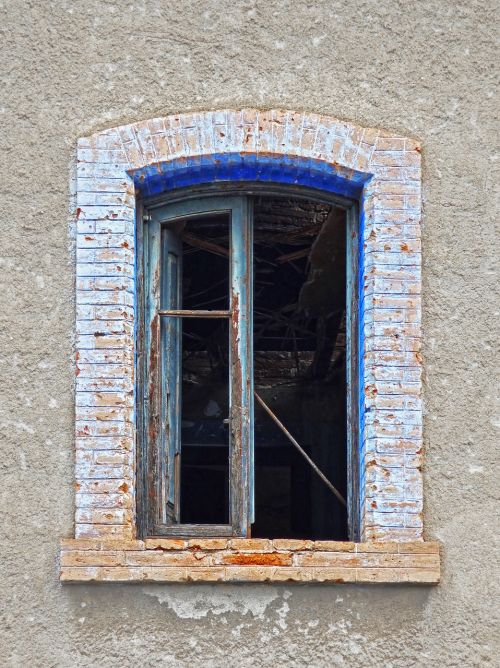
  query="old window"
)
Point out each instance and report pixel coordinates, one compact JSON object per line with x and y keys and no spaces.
{"x":248,"y":341}
{"x":344,"y":382}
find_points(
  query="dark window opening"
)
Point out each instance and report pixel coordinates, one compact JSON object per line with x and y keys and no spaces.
{"x":299,"y":343}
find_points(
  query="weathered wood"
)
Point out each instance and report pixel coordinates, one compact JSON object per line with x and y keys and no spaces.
{"x":152,"y":381}
{"x":241,"y":337}
{"x":171,"y":378}
{"x":186,"y":313}
{"x":166,"y":484}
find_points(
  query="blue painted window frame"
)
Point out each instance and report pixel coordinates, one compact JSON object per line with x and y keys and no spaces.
{"x":354,"y":313}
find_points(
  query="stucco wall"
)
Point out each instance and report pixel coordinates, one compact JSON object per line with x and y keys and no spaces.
{"x":421,"y":69}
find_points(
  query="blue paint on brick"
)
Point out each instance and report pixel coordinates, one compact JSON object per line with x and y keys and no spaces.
{"x":361,"y":357}
{"x":184,"y":172}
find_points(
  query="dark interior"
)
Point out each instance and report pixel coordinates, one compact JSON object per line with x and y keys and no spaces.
{"x":299,"y":342}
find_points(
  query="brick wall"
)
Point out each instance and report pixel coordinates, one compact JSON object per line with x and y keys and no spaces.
{"x":114,"y":164}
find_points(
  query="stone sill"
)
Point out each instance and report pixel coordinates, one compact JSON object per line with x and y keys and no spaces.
{"x":247,"y":560}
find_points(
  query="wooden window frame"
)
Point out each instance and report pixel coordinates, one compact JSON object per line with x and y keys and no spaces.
{"x":237,"y":202}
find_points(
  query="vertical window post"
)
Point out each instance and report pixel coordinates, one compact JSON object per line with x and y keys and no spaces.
{"x":242,"y":361}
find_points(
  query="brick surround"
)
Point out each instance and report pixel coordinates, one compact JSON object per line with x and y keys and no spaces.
{"x":383,"y":170}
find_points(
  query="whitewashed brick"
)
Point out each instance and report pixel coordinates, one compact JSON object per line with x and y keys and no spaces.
{"x":104,"y":326}
{"x":120,"y":486}
{"x":104,"y":457}
{"x":103,"y":198}
{"x":105,"y":283}
{"x":105,"y":357}
{"x":87,"y":241}
{"x":93,"y":269}
{"x":384,"y":343}
{"x":103,"y":443}
{"x":109,"y":212}
{"x":100,"y":170}
{"x":387,"y":259}
{"x":379,"y":285}
{"x":401,"y":447}
{"x":95,"y":471}
{"x":105,"y":185}
{"x":391,"y":329}
{"x":376,"y":429}
{"x":108,"y":139}
{"x":103,"y":516}
{"x":96,"y":428}
{"x":104,"y":312}
{"x":102,"y":156}
{"x":382,"y":416}
{"x":103,"y":399}
{"x":119,"y":500}
{"x":95,"y":382}
{"x":103,"y":371}
{"x":389,"y":316}
{"x":121,"y":255}
{"x":393,"y":373}
{"x":105,"y":251}
{"x":398,"y":388}
{"x":401,"y":245}
{"x":392,"y":402}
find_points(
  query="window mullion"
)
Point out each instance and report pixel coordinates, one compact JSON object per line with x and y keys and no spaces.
{"x":242,"y":478}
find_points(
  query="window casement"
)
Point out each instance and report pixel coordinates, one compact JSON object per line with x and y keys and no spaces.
{"x":163,"y":333}
{"x":192,"y":420}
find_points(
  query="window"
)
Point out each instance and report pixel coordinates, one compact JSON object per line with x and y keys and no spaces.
{"x":136,"y":484}
{"x":248,"y":341}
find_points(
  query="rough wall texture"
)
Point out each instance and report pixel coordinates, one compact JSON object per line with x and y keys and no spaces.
{"x":420,"y":69}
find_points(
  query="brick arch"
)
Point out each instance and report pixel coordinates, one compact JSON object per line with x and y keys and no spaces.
{"x":379,"y":169}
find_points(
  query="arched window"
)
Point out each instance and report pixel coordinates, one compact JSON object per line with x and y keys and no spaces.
{"x":170,"y":435}
{"x":249,"y":346}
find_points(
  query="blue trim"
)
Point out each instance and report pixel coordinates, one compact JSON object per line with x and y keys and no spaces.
{"x":361,"y":359}
{"x":220,"y":167}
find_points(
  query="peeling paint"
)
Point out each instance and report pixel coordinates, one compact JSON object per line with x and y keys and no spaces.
{"x":202,"y":601}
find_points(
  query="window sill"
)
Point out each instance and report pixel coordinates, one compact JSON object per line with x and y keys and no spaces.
{"x":248,"y":560}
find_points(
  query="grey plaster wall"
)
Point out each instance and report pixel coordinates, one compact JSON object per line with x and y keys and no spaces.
{"x":424,"y":69}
